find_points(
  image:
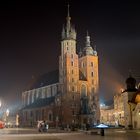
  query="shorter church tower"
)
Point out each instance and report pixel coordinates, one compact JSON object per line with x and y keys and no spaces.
{"x":89,"y":82}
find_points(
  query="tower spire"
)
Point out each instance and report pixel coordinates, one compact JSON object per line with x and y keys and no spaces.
{"x":68,"y":32}
{"x":68,"y":11}
{"x":88,"y":40}
{"x":68,"y":21}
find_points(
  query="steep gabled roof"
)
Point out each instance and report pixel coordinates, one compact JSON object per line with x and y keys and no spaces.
{"x":46,"y":79}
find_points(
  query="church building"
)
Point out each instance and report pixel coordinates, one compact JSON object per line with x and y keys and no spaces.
{"x":69,"y":95}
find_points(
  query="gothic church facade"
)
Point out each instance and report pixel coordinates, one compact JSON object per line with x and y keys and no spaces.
{"x":68,"y":95}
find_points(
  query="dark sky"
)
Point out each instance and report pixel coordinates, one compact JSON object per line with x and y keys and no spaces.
{"x":30,"y":35}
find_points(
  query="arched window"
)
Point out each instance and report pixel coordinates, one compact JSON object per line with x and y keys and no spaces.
{"x":91,"y":74}
{"x":72,"y":63}
{"x":83,"y":91}
{"x":73,"y":88}
{"x":50,"y":116}
{"x":91,"y":64}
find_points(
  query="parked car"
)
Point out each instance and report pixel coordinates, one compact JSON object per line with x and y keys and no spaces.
{"x":2,"y":124}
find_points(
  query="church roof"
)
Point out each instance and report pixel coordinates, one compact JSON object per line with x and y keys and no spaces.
{"x":46,"y":79}
{"x":40,"y":103}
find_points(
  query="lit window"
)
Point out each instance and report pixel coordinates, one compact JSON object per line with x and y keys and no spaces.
{"x":91,"y":64}
{"x":92,"y":74}
{"x":72,"y":79}
{"x":72,"y":63}
{"x":72,"y":88}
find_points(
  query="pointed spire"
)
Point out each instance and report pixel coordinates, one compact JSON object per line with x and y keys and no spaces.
{"x":68,"y":10}
{"x":88,"y":40}
{"x":68,"y":32}
{"x":68,"y":21}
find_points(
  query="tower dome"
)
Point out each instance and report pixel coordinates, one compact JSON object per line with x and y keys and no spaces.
{"x":88,"y":50}
{"x":131,"y":83}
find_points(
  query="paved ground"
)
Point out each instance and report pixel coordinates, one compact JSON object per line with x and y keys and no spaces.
{"x":32,"y":134}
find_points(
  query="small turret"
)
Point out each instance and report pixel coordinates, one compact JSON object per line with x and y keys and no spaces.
{"x":94,"y":51}
{"x":88,"y":50}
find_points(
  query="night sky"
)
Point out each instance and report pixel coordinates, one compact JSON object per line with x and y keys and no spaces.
{"x":30,"y":35}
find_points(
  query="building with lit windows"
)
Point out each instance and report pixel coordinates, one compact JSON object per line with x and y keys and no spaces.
{"x":131,"y":104}
{"x":126,"y":110}
{"x":69,"y":95}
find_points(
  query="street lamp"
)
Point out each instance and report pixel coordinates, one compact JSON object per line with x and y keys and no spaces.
{"x":17,"y":120}
{"x":7,"y":112}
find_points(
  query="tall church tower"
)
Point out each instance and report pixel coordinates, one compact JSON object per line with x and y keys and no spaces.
{"x":88,"y":66}
{"x":78,"y":77}
{"x":69,"y":71}
{"x":68,"y":61}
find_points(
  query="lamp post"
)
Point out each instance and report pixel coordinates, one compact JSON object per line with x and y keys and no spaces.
{"x":7,"y":114}
{"x":17,"y":120}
